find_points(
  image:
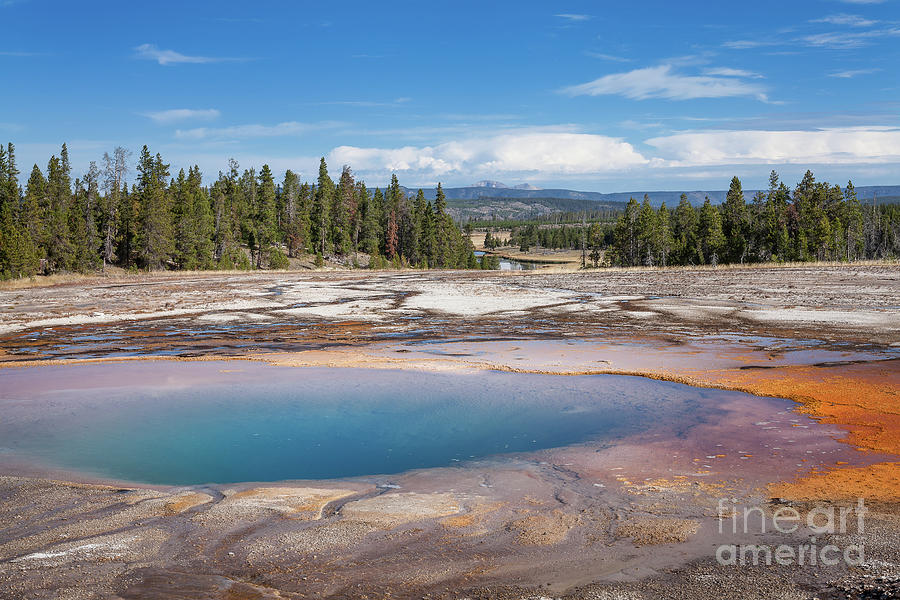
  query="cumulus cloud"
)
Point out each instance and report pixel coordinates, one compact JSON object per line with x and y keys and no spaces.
{"x":848,"y":145}
{"x":171,"y":57}
{"x":253,"y":130}
{"x":663,"y":82}
{"x":183,"y":114}
{"x":542,"y":153}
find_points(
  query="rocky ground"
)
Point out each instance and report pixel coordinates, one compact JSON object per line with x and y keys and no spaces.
{"x":565,"y":524}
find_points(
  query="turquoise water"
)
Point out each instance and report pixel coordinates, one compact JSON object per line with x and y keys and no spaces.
{"x":192,"y":423}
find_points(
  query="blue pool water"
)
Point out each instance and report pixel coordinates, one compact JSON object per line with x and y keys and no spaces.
{"x":192,"y":423}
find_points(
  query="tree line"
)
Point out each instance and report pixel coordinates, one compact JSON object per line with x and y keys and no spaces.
{"x":244,"y":220}
{"x":814,"y":221}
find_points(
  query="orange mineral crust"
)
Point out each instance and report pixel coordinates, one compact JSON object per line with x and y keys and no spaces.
{"x":879,"y":482}
{"x":863,"y":399}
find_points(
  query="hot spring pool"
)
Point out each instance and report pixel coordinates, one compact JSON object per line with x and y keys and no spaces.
{"x":181,"y":423}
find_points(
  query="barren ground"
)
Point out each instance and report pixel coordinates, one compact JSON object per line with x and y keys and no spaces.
{"x":619,"y":522}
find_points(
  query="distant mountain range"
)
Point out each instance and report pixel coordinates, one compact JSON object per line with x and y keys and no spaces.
{"x":495,"y":190}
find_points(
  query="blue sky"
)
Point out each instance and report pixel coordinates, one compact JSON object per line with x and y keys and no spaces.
{"x":605,"y":96}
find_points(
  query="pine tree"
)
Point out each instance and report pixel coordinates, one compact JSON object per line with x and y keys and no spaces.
{"x":115,"y":169}
{"x":343,"y":209}
{"x":59,"y":198}
{"x":392,"y":240}
{"x":321,"y":207}
{"x":647,"y":233}
{"x":442,"y":228}
{"x":371,"y":227}
{"x":711,"y":238}
{"x":419,"y":242}
{"x":685,"y":232}
{"x":626,"y":236}
{"x":854,"y":220}
{"x":290,"y":223}
{"x":154,"y":240}
{"x":127,"y":226}
{"x":664,"y":240}
{"x":183,"y":224}
{"x":394,"y":212}
{"x":304,"y":224}
{"x":84,"y":239}
{"x":733,"y":223}
{"x":264,"y":215}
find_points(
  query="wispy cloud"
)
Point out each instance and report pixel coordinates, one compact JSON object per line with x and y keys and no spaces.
{"x":239,"y":20}
{"x":848,"y":40}
{"x":863,"y":1}
{"x":848,"y":145}
{"x":254,"y":130}
{"x":171,"y":57}
{"x":479,"y":117}
{"x":853,"y":73}
{"x":183,"y":114}
{"x":663,"y":82}
{"x":640,"y":125}
{"x":609,"y":57}
{"x":574,"y":17}
{"x":16,"y":53}
{"x":747,"y":44}
{"x":728,"y":72}
{"x":365,"y":103}
{"x":845,"y":19}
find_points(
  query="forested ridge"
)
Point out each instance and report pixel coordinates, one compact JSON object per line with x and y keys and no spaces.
{"x":814,"y":221}
{"x":244,"y":220}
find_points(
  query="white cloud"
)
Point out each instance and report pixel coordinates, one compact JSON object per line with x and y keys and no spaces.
{"x":527,"y":152}
{"x":864,"y":1}
{"x":845,"y":19}
{"x":253,"y":130}
{"x":183,"y":114}
{"x":663,"y":82}
{"x":171,"y":57}
{"x":847,"y":41}
{"x":853,"y":73}
{"x":610,"y":57}
{"x":366,"y":103}
{"x":574,"y":17}
{"x":747,"y":44}
{"x":848,"y":145}
{"x":727,"y":72}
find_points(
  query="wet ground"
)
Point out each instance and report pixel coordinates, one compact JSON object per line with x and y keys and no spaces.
{"x":637,"y":518}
